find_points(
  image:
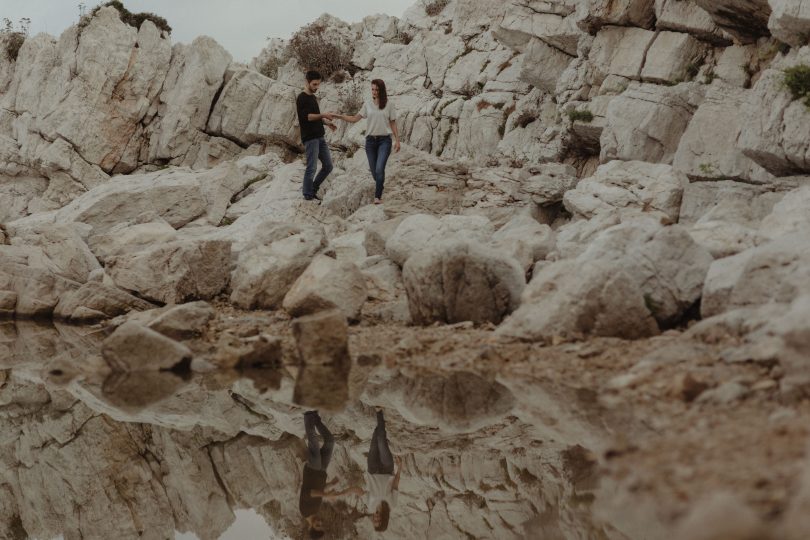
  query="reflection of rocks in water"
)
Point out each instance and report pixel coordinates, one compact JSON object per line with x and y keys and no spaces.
{"x":322,"y":387}
{"x":132,"y":392}
{"x":457,"y":402}
{"x":87,"y":454}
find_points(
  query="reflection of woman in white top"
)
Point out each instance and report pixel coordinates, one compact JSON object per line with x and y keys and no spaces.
{"x":381,"y":122}
{"x":381,"y":481}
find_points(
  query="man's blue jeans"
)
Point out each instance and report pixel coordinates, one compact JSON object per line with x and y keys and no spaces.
{"x":377,"y":150}
{"x":316,"y":150}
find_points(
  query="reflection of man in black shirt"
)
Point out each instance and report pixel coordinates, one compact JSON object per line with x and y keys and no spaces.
{"x":314,"y":484}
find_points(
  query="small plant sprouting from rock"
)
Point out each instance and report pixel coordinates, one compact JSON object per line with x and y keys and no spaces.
{"x":133,"y":19}
{"x":314,"y":50}
{"x":12,"y":38}
{"x":692,"y":71}
{"x":435,"y":7}
{"x":272,"y":65}
{"x":708,"y":169}
{"x":583,"y":115}
{"x":797,"y":81}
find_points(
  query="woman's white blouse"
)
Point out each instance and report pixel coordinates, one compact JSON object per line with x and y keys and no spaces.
{"x":378,"y":120}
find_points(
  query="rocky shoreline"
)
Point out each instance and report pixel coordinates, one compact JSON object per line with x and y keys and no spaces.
{"x":613,"y":196}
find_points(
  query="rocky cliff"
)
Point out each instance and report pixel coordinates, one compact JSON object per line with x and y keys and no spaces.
{"x":571,"y":170}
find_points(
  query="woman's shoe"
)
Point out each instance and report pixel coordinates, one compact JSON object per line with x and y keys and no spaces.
{"x":377,"y":201}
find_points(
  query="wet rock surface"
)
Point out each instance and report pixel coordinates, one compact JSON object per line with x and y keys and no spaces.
{"x":497,"y":438}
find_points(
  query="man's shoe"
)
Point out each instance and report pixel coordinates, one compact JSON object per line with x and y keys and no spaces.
{"x":314,"y":199}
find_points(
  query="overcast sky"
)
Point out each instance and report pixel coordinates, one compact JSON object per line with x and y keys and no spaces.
{"x":241,"y":26}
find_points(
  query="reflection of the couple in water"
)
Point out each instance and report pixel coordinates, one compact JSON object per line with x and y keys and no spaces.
{"x":382,"y":483}
{"x":480,"y":452}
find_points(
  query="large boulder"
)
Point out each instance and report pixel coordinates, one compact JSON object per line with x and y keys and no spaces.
{"x":95,"y":301}
{"x":64,"y":246}
{"x":688,"y":17}
{"x":525,"y":239}
{"x":593,"y":14}
{"x":254,"y":108}
{"x":646,"y":122}
{"x":777,"y":271}
{"x":326,"y":284}
{"x":631,"y":187}
{"x":746,"y":20}
{"x":133,"y":347}
{"x":633,"y":279}
{"x":418,"y":231}
{"x":458,"y":281}
{"x":30,"y":283}
{"x":708,"y":149}
{"x":195,"y":76}
{"x":269,"y":265}
{"x":619,"y":51}
{"x":777,"y":126}
{"x":174,"y":272}
{"x":670,"y":58}
{"x":790,"y":215}
{"x":790,"y":21}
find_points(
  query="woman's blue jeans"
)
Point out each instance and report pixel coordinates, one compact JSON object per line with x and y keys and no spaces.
{"x":377,"y":150}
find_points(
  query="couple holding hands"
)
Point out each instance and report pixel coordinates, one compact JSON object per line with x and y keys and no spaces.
{"x":380,"y":117}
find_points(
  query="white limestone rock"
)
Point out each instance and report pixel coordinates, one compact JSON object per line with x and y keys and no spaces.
{"x":419,"y":231}
{"x":671,"y":56}
{"x":631,"y":280}
{"x":196,"y":73}
{"x":269,"y":265}
{"x":646,"y":122}
{"x":174,"y":272}
{"x":133,"y":347}
{"x":95,"y":301}
{"x":525,"y":239}
{"x":633,"y":186}
{"x":686,"y":16}
{"x":777,"y":271}
{"x":327,"y":284}
{"x":594,"y":14}
{"x":790,"y":215}
{"x":790,"y":21}
{"x":64,"y":246}
{"x":746,"y":20}
{"x":30,"y":282}
{"x":708,"y":149}
{"x":458,"y":281}
{"x":777,"y":127}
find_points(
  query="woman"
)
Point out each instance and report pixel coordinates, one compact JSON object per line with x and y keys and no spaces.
{"x":381,"y":123}
{"x":381,"y":481}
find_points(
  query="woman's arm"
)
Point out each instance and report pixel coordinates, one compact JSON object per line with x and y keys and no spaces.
{"x":335,"y":494}
{"x":397,"y":146}
{"x":312,"y":117}
{"x":395,"y":483}
{"x":350,"y":118}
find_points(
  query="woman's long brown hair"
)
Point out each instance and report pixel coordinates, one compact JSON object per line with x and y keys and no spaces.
{"x":382,"y":94}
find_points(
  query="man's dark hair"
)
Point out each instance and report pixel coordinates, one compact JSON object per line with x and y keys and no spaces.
{"x":313,"y":75}
{"x":385,"y":513}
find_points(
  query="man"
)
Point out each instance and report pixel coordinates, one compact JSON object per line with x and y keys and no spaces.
{"x":314,"y":484}
{"x":312,"y":135}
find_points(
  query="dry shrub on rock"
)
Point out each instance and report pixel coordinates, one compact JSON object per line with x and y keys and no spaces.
{"x":314,"y":50}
